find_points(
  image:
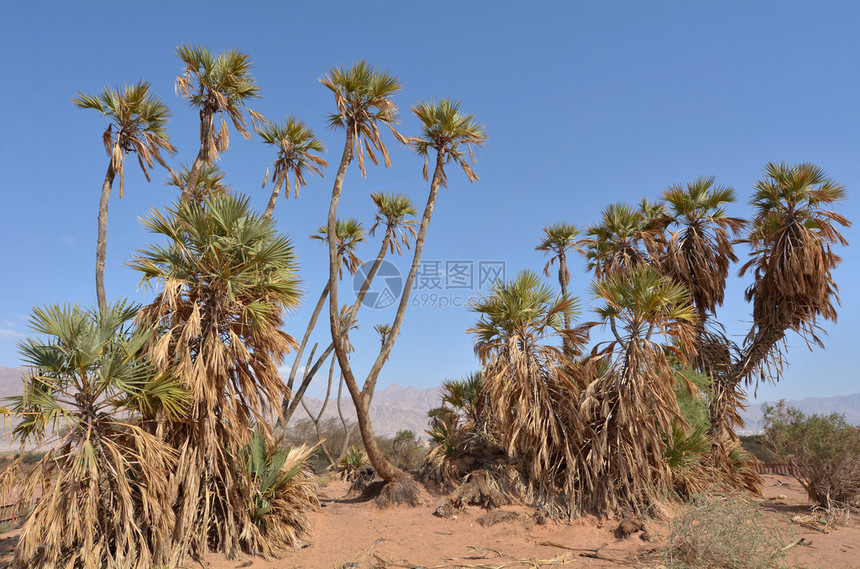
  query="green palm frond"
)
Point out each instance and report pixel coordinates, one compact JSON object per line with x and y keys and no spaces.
{"x":448,"y":132}
{"x":364,"y":99}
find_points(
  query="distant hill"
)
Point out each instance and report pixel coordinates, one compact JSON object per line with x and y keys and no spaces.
{"x":848,"y":405}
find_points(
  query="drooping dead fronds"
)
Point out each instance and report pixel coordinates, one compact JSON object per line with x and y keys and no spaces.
{"x":227,"y":276}
{"x":531,"y":398}
{"x":632,"y":406}
{"x":105,"y":497}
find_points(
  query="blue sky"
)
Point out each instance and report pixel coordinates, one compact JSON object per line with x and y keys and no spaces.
{"x":585,"y":104}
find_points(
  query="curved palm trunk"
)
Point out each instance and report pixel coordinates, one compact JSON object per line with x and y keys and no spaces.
{"x":274,"y":197}
{"x":101,"y":240}
{"x":361,"y":399}
{"x":311,"y":325}
{"x":207,"y":125}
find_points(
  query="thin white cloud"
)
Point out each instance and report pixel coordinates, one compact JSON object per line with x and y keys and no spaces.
{"x":70,"y":241}
{"x":9,"y":334}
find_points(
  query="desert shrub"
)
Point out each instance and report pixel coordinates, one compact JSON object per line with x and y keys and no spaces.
{"x":404,"y":450}
{"x":303,"y":432}
{"x":755,"y":445}
{"x":725,"y":533}
{"x":825,"y":449}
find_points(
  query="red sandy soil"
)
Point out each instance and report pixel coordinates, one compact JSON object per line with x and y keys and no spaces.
{"x":353,"y":535}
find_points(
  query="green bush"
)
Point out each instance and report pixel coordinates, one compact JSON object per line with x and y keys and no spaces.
{"x":404,"y":450}
{"x":825,"y":449}
{"x":719,"y":532}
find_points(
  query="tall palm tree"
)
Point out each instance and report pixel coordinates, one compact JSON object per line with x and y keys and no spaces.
{"x":226,"y":277}
{"x":792,"y":259}
{"x":296,"y":146}
{"x":138,"y":123}
{"x":629,"y":407}
{"x":558,"y":240}
{"x":532,"y":400}
{"x":364,"y":99}
{"x":700,"y":252}
{"x":105,"y":498}
{"x":217,"y":86}
{"x":449,"y":134}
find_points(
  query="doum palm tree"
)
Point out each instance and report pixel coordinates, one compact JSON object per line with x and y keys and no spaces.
{"x":138,"y":124}
{"x":296,"y":146}
{"x":217,"y":86}
{"x":792,"y":238}
{"x":226,"y":278}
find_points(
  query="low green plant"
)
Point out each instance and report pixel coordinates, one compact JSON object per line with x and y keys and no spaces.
{"x":824,"y":448}
{"x":725,"y":533}
{"x":404,"y":450}
{"x":351,"y":462}
{"x":282,"y":489}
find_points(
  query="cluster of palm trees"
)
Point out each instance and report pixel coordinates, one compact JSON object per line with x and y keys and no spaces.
{"x":163,"y":416}
{"x":601,"y":430}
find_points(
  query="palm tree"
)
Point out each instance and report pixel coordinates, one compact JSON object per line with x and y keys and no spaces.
{"x":391,"y":211}
{"x":211,"y":181}
{"x":349,"y":233}
{"x":792,"y":238}
{"x":617,"y":242}
{"x":558,"y":240}
{"x":296,"y":146}
{"x":530,"y":396}
{"x":226,"y":277}
{"x":699,"y":254}
{"x":628,"y":408}
{"x":218,"y":87}
{"x":105,"y":498}
{"x":138,"y":122}
{"x":448,"y":133}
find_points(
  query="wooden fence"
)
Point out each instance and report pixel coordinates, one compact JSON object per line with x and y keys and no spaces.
{"x":780,"y":468}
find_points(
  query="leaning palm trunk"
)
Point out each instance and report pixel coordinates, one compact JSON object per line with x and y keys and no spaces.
{"x":361,"y":398}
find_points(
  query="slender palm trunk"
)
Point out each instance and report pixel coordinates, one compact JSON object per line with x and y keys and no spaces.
{"x":316,"y":419}
{"x":101,"y":242}
{"x":311,"y":325}
{"x":361,"y":399}
{"x":207,"y":125}
{"x":274,"y":198}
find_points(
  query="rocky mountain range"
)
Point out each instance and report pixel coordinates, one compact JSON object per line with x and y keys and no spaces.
{"x":400,"y":407}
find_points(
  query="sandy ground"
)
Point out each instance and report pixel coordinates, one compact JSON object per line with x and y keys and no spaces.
{"x":353,"y":535}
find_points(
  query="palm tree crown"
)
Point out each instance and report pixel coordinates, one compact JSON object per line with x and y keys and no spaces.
{"x":364,"y":100}
{"x":297,"y":148}
{"x":699,"y":254}
{"x":446,"y":130}
{"x":616,"y":243}
{"x":138,"y":123}
{"x":349,"y":235}
{"x":392,"y":210}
